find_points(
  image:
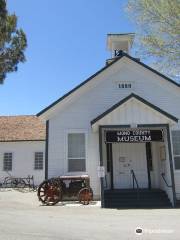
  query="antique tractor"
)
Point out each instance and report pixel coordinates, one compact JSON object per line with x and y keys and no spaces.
{"x":54,"y":190}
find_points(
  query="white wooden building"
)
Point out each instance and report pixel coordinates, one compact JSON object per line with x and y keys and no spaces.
{"x":22,"y":147}
{"x":124,"y":118}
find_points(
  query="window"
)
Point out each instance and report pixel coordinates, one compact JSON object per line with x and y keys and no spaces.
{"x":176,"y":148}
{"x":76,"y":152}
{"x":38,"y":161}
{"x":7,"y":161}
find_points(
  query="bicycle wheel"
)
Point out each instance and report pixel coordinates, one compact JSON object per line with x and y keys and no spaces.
{"x":7,"y":182}
{"x":19,"y":183}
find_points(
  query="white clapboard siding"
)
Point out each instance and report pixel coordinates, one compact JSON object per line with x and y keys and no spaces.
{"x":23,"y":159}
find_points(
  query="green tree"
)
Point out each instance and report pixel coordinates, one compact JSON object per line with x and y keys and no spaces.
{"x":12,"y":42}
{"x":158,"y":33}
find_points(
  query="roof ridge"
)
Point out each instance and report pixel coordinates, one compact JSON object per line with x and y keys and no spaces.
{"x":24,"y":115}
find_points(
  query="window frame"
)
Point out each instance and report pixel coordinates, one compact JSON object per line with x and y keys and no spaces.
{"x":76,"y":131}
{"x":9,"y":170}
{"x":38,"y":169}
{"x":175,"y":155}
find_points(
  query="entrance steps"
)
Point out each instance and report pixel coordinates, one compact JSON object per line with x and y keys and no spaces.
{"x":178,"y":203}
{"x":130,"y":198}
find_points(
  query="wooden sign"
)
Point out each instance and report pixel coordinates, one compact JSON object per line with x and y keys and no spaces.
{"x":133,"y":136}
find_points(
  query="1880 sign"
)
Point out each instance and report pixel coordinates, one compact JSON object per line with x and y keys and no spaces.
{"x":136,"y":135}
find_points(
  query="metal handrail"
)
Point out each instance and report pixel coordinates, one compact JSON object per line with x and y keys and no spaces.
{"x":105,"y":180}
{"x":134,"y":179}
{"x":163,"y":177}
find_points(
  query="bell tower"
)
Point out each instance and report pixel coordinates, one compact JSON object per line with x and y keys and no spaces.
{"x":119,"y":42}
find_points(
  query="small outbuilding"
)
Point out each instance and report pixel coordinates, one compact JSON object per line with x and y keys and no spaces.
{"x":22,"y":147}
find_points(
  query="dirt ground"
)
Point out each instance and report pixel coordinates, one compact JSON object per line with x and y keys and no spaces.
{"x":22,"y":217}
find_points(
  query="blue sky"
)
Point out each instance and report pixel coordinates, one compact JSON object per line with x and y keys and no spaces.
{"x":66,"y":44}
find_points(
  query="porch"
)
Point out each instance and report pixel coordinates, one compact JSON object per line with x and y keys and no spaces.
{"x":137,"y":174}
{"x":135,"y":152}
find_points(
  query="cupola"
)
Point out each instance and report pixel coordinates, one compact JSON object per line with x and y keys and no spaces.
{"x":117,"y":43}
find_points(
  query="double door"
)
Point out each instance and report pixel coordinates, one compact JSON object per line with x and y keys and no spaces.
{"x":127,"y":157}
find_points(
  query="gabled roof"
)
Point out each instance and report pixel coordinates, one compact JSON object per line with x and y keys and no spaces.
{"x":21,"y":128}
{"x":132,"y":95}
{"x":123,"y":54}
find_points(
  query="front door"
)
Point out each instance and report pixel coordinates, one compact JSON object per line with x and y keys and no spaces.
{"x":127,"y":157}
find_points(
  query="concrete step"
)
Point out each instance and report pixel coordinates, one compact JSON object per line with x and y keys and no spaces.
{"x":129,"y":198}
{"x":178,"y":203}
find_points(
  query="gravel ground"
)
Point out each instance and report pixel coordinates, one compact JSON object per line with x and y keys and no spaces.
{"x":22,"y":217}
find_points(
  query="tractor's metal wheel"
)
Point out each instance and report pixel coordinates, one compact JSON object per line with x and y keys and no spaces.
{"x":85,"y":196}
{"x":49,"y":193}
